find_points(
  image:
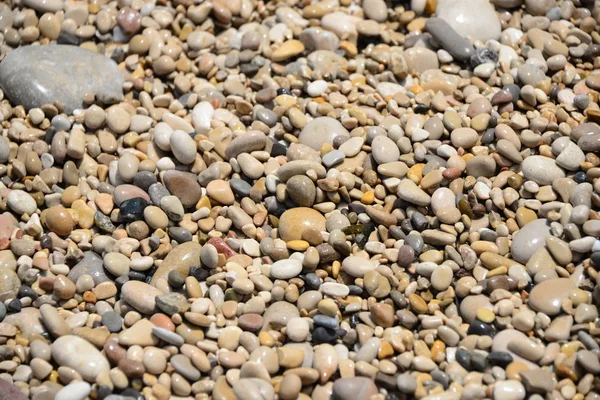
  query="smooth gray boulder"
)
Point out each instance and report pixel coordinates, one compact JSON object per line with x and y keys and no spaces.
{"x":36,"y":75}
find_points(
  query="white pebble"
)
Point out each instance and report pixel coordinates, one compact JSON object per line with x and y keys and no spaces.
{"x":316,"y":88}
{"x":286,"y":269}
{"x":183,"y":147}
{"x":202,"y":115}
{"x":21,"y":202}
{"x":74,"y":391}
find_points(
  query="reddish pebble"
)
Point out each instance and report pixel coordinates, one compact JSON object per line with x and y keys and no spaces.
{"x":114,"y":352}
{"x":129,"y":20}
{"x":163,"y":321}
{"x":250,"y":322}
{"x":131,"y":368}
{"x":46,"y":283}
{"x":451,"y":173}
{"x":222,"y":247}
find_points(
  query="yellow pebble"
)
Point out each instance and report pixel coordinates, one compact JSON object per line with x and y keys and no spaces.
{"x":437,"y":348}
{"x":502,"y":270}
{"x":570,"y":348}
{"x":298,"y":245}
{"x":326,"y":148}
{"x":203,"y":202}
{"x":368,"y":197}
{"x":513,"y":369}
{"x":416,"y":89}
{"x":486,"y":315}
{"x":266,"y":339}
{"x":348,"y":47}
{"x":430,"y":6}
{"x":385,"y":350}
{"x":415,"y":173}
{"x":53,"y":376}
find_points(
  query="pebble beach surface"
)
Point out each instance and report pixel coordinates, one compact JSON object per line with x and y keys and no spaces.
{"x":337,"y":199}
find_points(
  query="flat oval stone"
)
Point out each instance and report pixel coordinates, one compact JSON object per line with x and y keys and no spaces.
{"x":449,"y":38}
{"x":79,"y":354}
{"x":320,"y":131}
{"x":530,"y":239}
{"x":548,"y":295}
{"x":32,"y":76}
{"x":542,"y":170}
{"x":181,"y":259}
{"x":140,"y":296}
{"x":184,"y":185}
{"x":286,"y":269}
{"x":355,"y":388}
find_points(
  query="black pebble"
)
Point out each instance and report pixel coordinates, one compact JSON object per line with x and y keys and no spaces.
{"x":199,"y":273}
{"x":580,"y":177}
{"x":356,"y":290}
{"x":144,"y":179}
{"x":133,"y":209}
{"x":14,"y":305}
{"x":478,"y":362}
{"x":136,"y":276}
{"x":324,"y":335}
{"x":26,"y":291}
{"x":419,"y":221}
{"x":596,"y":259}
{"x":103,"y":392}
{"x":283,"y":91}
{"x":278,"y":149}
{"x":175,"y":279}
{"x":129,"y":392}
{"x":481,"y":328}
{"x":240,"y":187}
{"x":46,"y":242}
{"x":463,"y":357}
{"x":312,"y":281}
{"x":500,"y":358}
{"x":121,"y":280}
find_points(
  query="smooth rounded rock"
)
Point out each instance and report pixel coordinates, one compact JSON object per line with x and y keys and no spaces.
{"x":79,"y":354}
{"x":530,"y":239}
{"x":321,"y":130}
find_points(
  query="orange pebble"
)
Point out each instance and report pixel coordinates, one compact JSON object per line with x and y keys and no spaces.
{"x":163,"y":321}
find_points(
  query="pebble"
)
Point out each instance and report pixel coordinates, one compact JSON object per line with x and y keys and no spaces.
{"x":77,"y":353}
{"x":547,"y":296}
{"x":64,"y":82}
{"x":324,"y":200}
{"x":321,"y":130}
{"x":529,"y":239}
{"x":477,"y":20}
{"x":286,"y":269}
{"x":295,"y":221}
{"x":541,"y":170}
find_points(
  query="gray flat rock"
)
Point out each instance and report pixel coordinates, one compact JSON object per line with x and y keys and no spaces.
{"x":36,"y":75}
{"x":91,"y":264}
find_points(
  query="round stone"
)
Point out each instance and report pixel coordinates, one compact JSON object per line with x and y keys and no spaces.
{"x":294,"y":221}
{"x":59,"y":220}
{"x":321,"y":130}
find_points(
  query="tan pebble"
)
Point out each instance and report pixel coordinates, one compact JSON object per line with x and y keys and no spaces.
{"x":59,"y":220}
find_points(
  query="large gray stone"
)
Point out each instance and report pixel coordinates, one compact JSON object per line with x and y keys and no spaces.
{"x":90,"y":264}
{"x":36,"y":75}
